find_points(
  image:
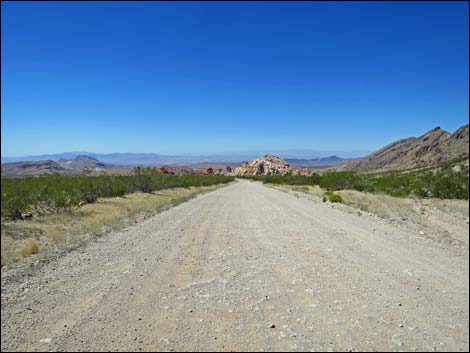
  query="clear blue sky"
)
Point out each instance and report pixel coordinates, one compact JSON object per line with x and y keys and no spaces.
{"x":218,"y":77}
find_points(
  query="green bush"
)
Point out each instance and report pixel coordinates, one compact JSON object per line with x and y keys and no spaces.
{"x":59,"y":193}
{"x":332,"y":197}
{"x":15,"y":201}
{"x":447,"y":183}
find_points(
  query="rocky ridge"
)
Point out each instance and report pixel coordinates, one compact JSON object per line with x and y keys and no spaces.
{"x":63,"y":166}
{"x":435,"y":146}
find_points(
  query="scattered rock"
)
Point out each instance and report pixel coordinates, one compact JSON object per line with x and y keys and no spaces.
{"x":27,"y":216}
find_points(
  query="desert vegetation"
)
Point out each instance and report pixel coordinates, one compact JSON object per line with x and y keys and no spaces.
{"x":61,"y":194}
{"x":332,"y":197}
{"x":53,"y":231}
{"x":50,"y":211}
{"x":446,"y":181}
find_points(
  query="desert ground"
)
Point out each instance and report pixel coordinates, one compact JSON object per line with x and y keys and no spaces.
{"x":247,"y":267}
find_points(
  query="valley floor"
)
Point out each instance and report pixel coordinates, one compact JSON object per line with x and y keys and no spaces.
{"x":245,"y":267}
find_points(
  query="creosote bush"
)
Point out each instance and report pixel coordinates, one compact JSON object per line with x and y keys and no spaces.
{"x":57,"y":193}
{"x":445,"y":183}
{"x":332,"y":197}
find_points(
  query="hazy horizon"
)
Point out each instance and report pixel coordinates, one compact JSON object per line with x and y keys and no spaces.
{"x":228,"y":77}
{"x":309,"y":153}
{"x":289,"y":153}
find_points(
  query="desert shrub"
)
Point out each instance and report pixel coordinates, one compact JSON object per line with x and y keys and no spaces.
{"x":337,"y":181}
{"x":15,"y":201}
{"x":448,"y":187}
{"x":59,"y":193}
{"x":447,"y":183}
{"x":289,"y":179}
{"x":145,"y":179}
{"x":332,"y":197}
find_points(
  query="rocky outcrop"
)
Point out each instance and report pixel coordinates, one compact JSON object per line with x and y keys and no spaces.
{"x":457,"y":145}
{"x":266,"y":165}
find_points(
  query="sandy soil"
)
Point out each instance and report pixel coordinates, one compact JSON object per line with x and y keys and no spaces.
{"x":245,"y":267}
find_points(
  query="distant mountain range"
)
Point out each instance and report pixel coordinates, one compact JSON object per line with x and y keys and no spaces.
{"x":317,"y":162}
{"x":435,"y":146}
{"x":77,"y":165}
{"x":75,"y":162}
{"x":152,"y":159}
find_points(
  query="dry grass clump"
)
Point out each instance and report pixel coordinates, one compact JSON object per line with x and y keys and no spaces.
{"x":30,"y":248}
{"x":20,"y":239}
{"x":382,"y":205}
{"x":388,"y":206}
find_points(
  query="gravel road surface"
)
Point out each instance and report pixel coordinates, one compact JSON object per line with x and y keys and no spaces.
{"x":245,"y":267}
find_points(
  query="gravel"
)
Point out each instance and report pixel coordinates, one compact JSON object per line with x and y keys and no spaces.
{"x":245,"y":267}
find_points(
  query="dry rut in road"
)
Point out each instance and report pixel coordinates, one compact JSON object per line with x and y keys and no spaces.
{"x":245,"y":267}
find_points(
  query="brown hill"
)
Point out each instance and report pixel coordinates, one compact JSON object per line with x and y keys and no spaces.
{"x":81,"y":163}
{"x":31,"y":168}
{"x":436,"y":146}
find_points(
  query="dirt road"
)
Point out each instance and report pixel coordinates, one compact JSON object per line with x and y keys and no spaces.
{"x":245,"y":267}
